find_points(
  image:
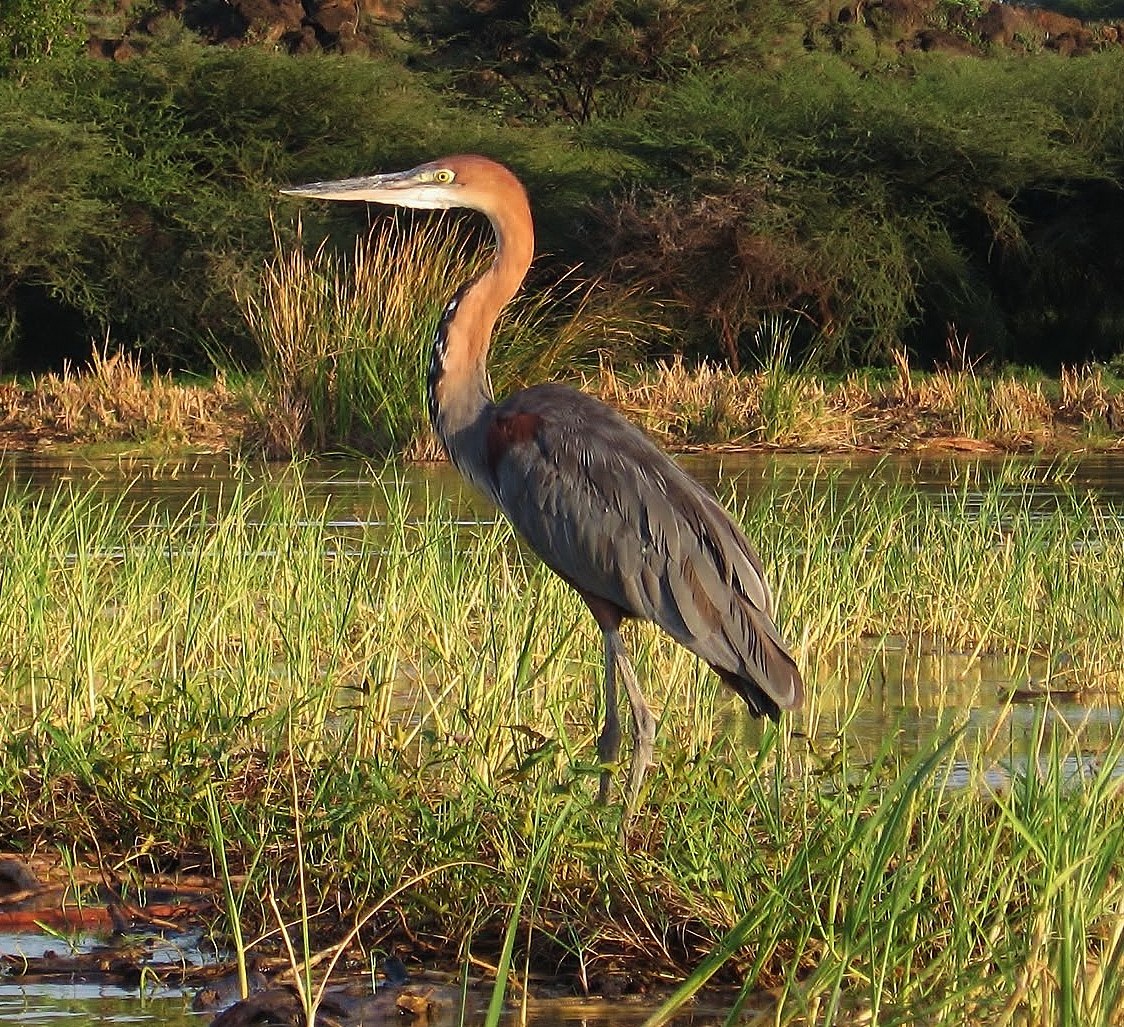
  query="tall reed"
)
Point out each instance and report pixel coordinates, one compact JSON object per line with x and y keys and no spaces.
{"x":345,"y":343}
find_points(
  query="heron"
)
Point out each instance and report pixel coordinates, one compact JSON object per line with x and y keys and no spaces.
{"x":590,"y":493}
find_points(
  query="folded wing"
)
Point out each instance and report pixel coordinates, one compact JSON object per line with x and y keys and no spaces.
{"x":615,"y":516}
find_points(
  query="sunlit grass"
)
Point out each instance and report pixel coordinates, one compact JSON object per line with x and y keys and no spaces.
{"x":789,"y":407}
{"x":333,"y":382}
{"x":421,"y":695}
{"x":116,"y":400}
{"x":345,"y":343}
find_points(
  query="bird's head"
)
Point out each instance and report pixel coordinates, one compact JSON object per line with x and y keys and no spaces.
{"x":465,"y":180}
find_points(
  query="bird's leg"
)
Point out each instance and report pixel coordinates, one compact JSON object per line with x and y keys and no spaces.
{"x":609,"y":741}
{"x":643,"y":723}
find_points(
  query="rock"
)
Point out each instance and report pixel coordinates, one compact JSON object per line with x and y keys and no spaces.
{"x":336,"y":17}
{"x":16,"y":877}
{"x":1010,"y":25}
{"x":280,"y":1007}
{"x":271,"y":20}
{"x":226,"y":990}
{"x":947,"y":42}
{"x":998,"y":24}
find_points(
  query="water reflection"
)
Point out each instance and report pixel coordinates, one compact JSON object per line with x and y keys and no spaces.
{"x":82,"y":1001}
{"x":355,"y":490}
{"x":76,"y":1006}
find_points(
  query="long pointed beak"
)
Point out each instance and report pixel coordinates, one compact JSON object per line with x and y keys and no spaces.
{"x":372,"y":188}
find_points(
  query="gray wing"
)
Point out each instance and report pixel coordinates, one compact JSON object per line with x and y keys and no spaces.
{"x":615,"y":516}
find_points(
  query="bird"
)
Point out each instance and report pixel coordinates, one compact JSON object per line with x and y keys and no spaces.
{"x":604,"y":507}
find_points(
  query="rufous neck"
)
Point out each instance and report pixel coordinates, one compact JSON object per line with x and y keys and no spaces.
{"x":493,"y":290}
{"x":460,"y":388}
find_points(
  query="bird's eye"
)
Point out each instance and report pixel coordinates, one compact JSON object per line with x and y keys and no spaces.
{"x":443,"y":176}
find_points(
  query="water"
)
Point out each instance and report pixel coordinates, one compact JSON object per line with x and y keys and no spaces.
{"x":907,"y":692}
{"x":353,"y":489}
{"x":81,"y":1001}
{"x":78,"y":1003}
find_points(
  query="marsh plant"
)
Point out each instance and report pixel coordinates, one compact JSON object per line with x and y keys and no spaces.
{"x":412,"y":705}
{"x":345,"y":343}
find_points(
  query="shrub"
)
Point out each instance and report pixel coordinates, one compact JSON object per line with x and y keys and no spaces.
{"x":133,"y":195}
{"x":32,"y":30}
{"x":585,"y":59}
{"x":881,"y":208}
{"x":345,"y":343}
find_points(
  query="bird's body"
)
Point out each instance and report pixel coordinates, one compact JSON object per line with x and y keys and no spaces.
{"x":590,"y":493}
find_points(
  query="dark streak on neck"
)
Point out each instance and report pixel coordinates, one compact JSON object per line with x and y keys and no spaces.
{"x":440,"y":352}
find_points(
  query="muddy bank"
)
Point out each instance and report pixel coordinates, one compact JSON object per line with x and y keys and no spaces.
{"x":153,"y":934}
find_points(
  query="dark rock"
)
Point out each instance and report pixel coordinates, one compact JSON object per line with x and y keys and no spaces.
{"x":274,"y":1006}
{"x":946,"y":42}
{"x":271,"y":20}
{"x":227,"y":990}
{"x":16,"y":877}
{"x":1009,"y":25}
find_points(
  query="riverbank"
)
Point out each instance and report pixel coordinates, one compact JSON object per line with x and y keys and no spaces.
{"x":115,"y":403}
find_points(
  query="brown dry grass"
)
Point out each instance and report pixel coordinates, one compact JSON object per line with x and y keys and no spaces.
{"x":957,"y":408}
{"x":706,"y":406}
{"x":115,"y":401}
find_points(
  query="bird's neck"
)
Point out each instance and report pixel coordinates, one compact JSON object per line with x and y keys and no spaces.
{"x":459,"y":390}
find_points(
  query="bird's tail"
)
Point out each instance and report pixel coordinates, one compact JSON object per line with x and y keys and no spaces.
{"x":774,"y":682}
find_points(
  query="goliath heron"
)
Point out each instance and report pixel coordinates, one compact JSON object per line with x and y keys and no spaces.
{"x":609,"y":512}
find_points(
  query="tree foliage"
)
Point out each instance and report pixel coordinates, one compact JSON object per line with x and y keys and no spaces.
{"x":877,"y":210}
{"x":34,"y":30}
{"x":135,"y":196}
{"x":582,"y":59}
{"x":698,"y":151}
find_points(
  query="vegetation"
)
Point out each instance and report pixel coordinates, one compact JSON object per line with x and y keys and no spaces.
{"x":801,"y":169}
{"x":881,"y":208}
{"x":418,"y":696}
{"x":340,"y":401}
{"x":590,"y":60}
{"x":346,"y":344}
{"x":138,"y":196}
{"x":35,"y":30}
{"x":1090,"y":10}
{"x":325,"y":718}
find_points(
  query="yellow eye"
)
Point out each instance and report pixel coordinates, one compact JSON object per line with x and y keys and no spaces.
{"x":443,"y":176}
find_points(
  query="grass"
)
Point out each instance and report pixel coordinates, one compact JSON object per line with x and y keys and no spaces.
{"x":783,"y":407}
{"x":415,"y":702}
{"x":329,"y":387}
{"x":115,"y":401}
{"x":346,"y":343}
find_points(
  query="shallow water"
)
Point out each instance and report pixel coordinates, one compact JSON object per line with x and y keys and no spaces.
{"x":79,"y":1001}
{"x":354,"y":489}
{"x":907,"y":693}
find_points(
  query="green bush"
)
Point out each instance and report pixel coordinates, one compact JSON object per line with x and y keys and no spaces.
{"x":1089,"y":10}
{"x":872,"y":207}
{"x":578,"y":60}
{"x":33,"y":30}
{"x":136,"y":196}
{"x":883,"y":208}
